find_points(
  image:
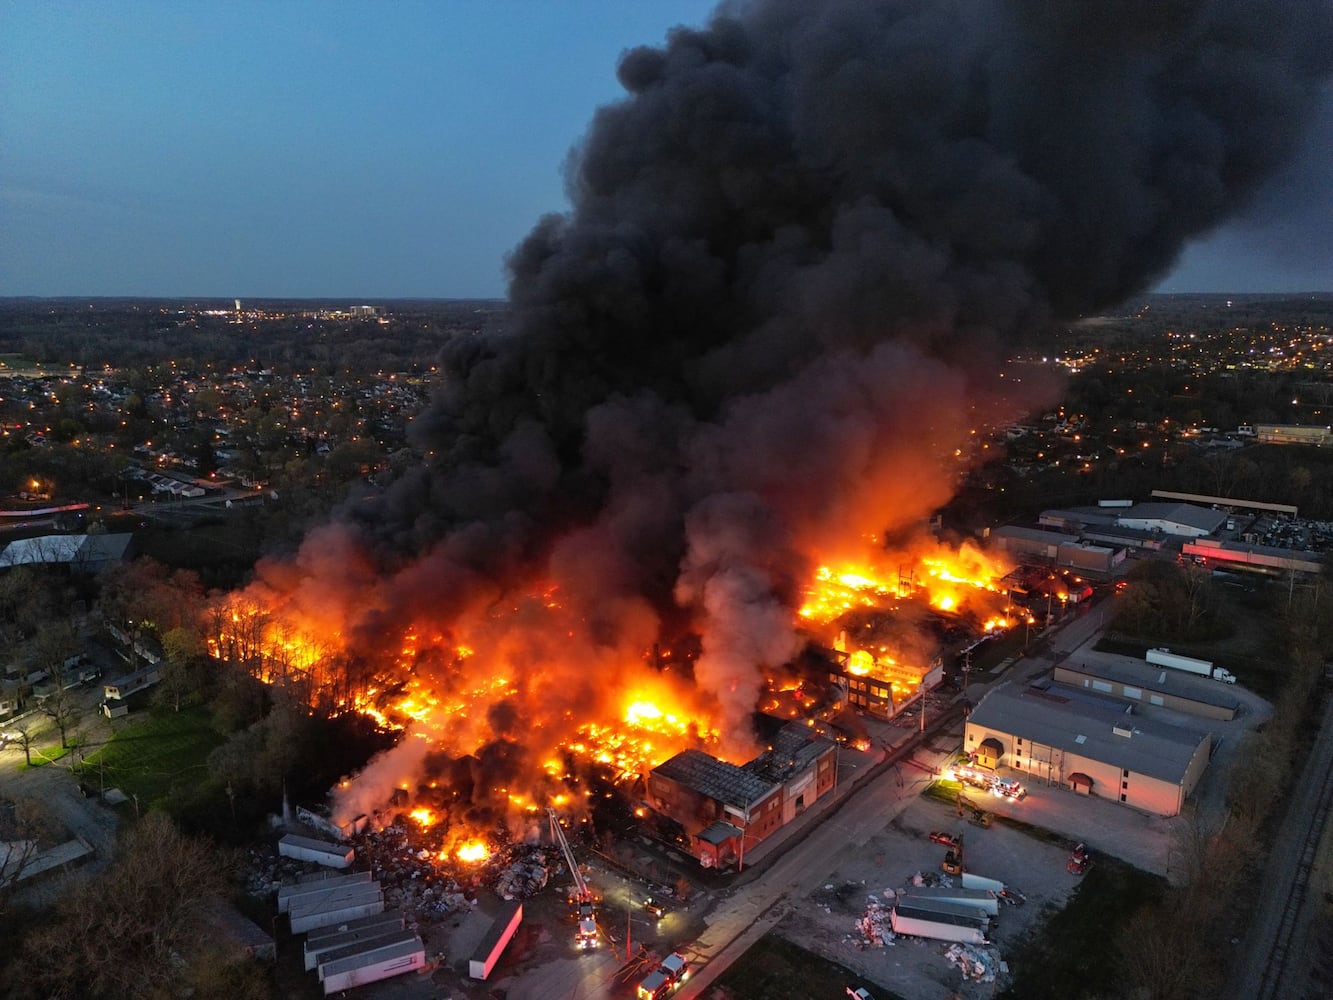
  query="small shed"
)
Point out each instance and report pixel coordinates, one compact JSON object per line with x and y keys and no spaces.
{"x":989,"y":752}
{"x":718,"y":844}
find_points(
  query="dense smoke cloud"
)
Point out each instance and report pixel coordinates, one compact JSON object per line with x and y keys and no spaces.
{"x":795,"y":253}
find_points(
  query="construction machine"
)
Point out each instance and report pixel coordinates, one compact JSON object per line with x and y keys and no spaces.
{"x":582,"y":900}
{"x":953,"y":858}
{"x":979,"y":816}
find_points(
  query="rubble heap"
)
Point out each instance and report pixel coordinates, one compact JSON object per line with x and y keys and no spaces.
{"x":981,"y":965}
{"x":874,"y":926}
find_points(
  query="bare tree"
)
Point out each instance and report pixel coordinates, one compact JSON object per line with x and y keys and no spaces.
{"x":61,"y":707}
{"x":25,"y":823}
{"x":131,"y":931}
{"x":20,"y":738}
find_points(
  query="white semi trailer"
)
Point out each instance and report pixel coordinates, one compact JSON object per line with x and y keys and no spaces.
{"x":1163,"y":657}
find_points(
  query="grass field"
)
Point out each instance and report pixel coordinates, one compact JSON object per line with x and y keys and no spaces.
{"x":1076,"y":954}
{"x":149,"y":758}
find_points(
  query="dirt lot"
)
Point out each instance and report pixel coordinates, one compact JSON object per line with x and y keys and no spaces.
{"x":826,"y":921}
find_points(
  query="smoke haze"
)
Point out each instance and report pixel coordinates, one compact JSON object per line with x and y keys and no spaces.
{"x":797,"y":253}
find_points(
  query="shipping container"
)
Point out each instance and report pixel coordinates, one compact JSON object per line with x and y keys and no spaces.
{"x":493,"y":944}
{"x":359,"y":970}
{"x":322,"y":852}
{"x":288,"y":893}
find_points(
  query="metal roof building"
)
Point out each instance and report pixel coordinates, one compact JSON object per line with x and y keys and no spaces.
{"x":1145,"y":684}
{"x":1090,"y":743}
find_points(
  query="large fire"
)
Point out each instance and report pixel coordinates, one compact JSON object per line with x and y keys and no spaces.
{"x":520,"y":671}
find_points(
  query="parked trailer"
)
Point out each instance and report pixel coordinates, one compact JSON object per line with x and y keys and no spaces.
{"x":982,"y":900}
{"x":328,"y":947}
{"x":1163,"y":657}
{"x":971,"y":881}
{"x":362,"y":969}
{"x":926,"y":926}
{"x":369,"y":949}
{"x":333,"y":898}
{"x":324,"y":939}
{"x":492,"y":946}
{"x":288,"y":894}
{"x":351,"y":908}
{"x":322,"y":852}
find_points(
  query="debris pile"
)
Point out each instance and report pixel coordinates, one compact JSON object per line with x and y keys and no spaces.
{"x":874,"y":926}
{"x":932,"y":880}
{"x":414,"y":880}
{"x":525,"y":875}
{"x":981,"y":965}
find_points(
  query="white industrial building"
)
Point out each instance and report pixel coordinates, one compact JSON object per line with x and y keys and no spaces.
{"x":1088,"y":743}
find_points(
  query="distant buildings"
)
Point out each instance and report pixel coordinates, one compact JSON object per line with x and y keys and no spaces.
{"x":1293,"y":434}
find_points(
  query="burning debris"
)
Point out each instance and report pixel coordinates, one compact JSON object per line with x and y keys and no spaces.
{"x":768,"y":337}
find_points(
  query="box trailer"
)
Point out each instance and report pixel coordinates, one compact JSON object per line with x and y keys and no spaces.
{"x":287,"y":894}
{"x":493,"y":944}
{"x":971,"y":881}
{"x":361,"y":969}
{"x":333,"y":898}
{"x":982,"y":900}
{"x":369,"y":948}
{"x":348,"y":943}
{"x":320,"y":940}
{"x":1163,"y":657}
{"x":338,"y":911}
{"x":921,"y":924}
{"x":322,"y":852}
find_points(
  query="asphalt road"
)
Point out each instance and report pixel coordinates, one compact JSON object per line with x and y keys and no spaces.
{"x":754,"y":909}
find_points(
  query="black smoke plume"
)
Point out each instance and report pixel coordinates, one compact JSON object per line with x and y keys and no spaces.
{"x":797,"y":250}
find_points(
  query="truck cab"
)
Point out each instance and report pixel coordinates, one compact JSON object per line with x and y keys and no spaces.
{"x":665,"y":978}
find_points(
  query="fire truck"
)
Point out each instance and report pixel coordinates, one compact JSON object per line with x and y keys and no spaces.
{"x":581,"y":898}
{"x":673,"y":971}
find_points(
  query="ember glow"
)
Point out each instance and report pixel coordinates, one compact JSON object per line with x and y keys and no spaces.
{"x":473,"y":851}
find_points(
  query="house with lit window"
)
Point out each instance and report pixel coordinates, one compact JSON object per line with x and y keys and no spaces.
{"x":1088,"y":743}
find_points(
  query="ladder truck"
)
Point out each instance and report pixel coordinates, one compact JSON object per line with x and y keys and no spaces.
{"x":582,"y":899}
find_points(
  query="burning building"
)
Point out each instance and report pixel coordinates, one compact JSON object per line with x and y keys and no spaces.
{"x":725,"y":809}
{"x":762,"y":341}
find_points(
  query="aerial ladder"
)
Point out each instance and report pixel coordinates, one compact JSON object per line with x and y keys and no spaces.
{"x":582,"y":899}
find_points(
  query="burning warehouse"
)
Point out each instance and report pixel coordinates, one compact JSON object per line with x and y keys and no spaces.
{"x":726,"y":809}
{"x":764,"y":339}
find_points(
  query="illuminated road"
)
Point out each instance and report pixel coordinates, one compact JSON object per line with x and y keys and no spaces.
{"x":754,"y":909}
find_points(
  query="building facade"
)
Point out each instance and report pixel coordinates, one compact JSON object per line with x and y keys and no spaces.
{"x":1090,"y":745}
{"x":727,"y":809}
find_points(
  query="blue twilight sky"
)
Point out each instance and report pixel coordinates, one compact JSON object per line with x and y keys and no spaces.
{"x":374,"y":149}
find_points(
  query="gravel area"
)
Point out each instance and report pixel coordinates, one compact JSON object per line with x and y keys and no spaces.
{"x":826,"y":921}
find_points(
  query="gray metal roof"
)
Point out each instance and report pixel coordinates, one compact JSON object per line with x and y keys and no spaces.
{"x":1163,"y":680}
{"x":726,"y":783}
{"x":1057,"y":718}
{"x":719,"y":833}
{"x":1188,"y":514}
{"x":793,"y":749}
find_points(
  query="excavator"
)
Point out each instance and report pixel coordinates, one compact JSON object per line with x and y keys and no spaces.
{"x":581,"y":899}
{"x":979,"y":817}
{"x":953,"y":858}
